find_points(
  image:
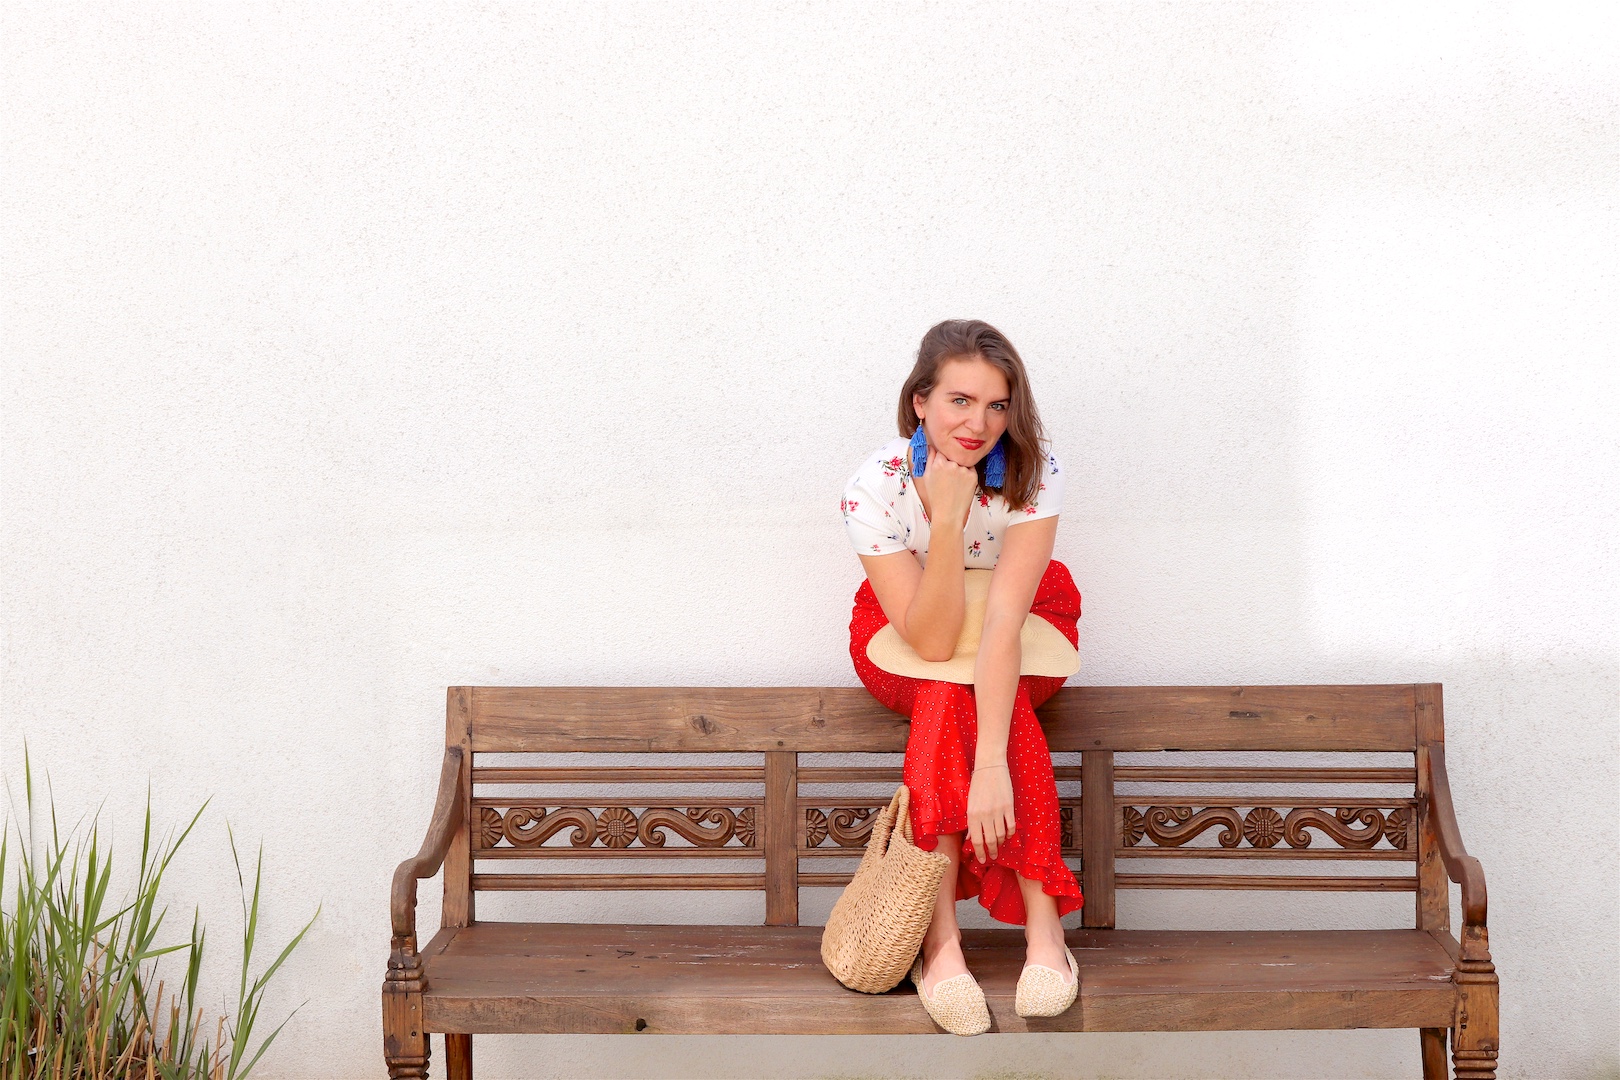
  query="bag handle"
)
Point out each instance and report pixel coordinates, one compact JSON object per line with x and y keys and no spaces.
{"x":897,"y":812}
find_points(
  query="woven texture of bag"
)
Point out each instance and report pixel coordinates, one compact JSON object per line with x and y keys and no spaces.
{"x":877,"y":925}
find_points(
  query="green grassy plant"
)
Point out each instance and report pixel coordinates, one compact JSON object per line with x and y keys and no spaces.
{"x":80,"y":996}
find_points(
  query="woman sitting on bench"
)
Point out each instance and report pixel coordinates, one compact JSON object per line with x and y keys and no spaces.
{"x":969,"y":485}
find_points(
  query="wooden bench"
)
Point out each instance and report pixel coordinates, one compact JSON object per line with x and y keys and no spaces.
{"x":489,"y":826}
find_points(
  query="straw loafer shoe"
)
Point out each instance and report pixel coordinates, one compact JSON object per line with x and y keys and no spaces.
{"x":1043,"y":991}
{"x":957,"y":1004}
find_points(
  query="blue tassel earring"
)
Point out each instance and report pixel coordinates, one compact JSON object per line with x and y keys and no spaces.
{"x":919,"y":451}
{"x":995,"y":467}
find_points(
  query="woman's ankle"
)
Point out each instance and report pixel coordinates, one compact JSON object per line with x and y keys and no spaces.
{"x":934,"y":944}
{"x":1044,"y":932}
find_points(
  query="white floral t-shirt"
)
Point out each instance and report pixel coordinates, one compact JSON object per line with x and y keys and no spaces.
{"x":884,"y":514}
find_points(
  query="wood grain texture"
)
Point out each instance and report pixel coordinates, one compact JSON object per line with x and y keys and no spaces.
{"x":841,"y":719}
{"x":1461,"y":867}
{"x":780,"y":838}
{"x":574,"y":978}
{"x":1434,"y":890}
{"x":459,"y":906}
{"x":622,"y":774}
{"x":1429,"y":711}
{"x":406,"y":1048}
{"x":538,"y":977}
{"x":1263,"y":882}
{"x":1099,"y":836}
{"x":1130,"y":718}
{"x":1433,"y":1047}
{"x":682,"y":718}
{"x":1267,"y":774}
{"x":458,"y":1056}
{"x":441,"y":832}
{"x":632,"y":882}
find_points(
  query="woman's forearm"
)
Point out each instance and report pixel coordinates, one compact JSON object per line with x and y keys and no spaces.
{"x":934,"y":619}
{"x":995,"y":686}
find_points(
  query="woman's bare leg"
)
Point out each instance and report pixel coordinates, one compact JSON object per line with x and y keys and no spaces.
{"x":942,"y":945}
{"x":1043,"y":933}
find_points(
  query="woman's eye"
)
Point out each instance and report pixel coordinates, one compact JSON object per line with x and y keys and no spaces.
{"x":959,"y":401}
{"x":1002,"y":405}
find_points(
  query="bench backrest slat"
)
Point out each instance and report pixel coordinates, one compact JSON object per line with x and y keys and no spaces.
{"x":847,"y":719}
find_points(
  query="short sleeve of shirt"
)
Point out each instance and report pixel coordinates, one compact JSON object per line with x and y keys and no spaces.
{"x":872,"y":526}
{"x":1048,"y":497}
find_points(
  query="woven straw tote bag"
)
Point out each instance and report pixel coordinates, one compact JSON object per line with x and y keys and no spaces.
{"x":877,"y":925}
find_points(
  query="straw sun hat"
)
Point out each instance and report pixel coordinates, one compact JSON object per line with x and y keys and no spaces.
{"x":1044,"y":648}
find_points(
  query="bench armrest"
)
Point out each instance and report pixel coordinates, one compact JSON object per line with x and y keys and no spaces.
{"x":1461,"y":867}
{"x":447,"y":813}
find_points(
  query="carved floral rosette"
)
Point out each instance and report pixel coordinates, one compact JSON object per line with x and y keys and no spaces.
{"x":615,"y":826}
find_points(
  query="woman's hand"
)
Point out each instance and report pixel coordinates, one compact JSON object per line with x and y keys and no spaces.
{"x":989,"y":810}
{"x":951,"y":488}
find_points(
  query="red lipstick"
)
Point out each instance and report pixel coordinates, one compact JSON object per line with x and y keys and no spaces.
{"x":971,"y":444}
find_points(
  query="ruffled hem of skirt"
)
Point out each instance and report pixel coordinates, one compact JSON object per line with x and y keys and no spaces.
{"x":999,"y":893}
{"x":995,"y":885}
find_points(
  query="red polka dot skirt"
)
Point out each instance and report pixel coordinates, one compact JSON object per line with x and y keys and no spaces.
{"x":939,"y":760}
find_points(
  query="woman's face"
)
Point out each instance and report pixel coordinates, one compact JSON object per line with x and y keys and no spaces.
{"x":967,"y":411}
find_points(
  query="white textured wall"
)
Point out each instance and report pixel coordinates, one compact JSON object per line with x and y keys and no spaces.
{"x":351,"y":352}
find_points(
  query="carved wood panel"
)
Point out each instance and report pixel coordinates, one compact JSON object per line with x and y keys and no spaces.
{"x":832,"y":825}
{"x":1264,"y":825}
{"x":620,"y":826}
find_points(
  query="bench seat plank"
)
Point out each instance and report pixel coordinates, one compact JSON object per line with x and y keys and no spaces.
{"x":674,"y":979}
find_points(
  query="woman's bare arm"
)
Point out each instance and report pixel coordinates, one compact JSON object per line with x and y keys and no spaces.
{"x":926,"y":605}
{"x":1026,"y":549}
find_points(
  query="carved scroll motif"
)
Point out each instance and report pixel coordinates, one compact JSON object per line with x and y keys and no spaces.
{"x":615,"y":827}
{"x":851,"y":827}
{"x":531,"y":826}
{"x":1337,"y":826}
{"x":846,"y":826}
{"x":1356,"y":828}
{"x":1173,"y":826}
{"x":690,"y":825}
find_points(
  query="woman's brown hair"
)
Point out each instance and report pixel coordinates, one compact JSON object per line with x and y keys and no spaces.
{"x":1022,"y":443}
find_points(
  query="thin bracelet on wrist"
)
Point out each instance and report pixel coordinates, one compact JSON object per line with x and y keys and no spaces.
{"x":997,"y":765}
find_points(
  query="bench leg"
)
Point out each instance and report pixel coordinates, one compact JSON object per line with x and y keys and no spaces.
{"x":405,"y":1043}
{"x":458,"y":1056}
{"x":1434,"y":1054}
{"x":1474,"y":1039}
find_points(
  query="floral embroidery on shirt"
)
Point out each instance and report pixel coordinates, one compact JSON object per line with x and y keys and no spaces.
{"x":882,"y":514}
